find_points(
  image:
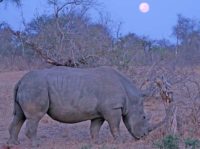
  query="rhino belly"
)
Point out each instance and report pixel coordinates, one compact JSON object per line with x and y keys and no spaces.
{"x":71,"y":115}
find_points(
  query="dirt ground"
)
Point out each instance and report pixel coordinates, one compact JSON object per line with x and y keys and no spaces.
{"x":55,"y":135}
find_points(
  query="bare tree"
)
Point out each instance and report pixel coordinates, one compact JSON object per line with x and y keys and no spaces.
{"x":187,"y":33}
{"x":60,"y":33}
{"x":18,"y":2}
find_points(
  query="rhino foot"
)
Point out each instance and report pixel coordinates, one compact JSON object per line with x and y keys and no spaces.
{"x":35,"y":144}
{"x":13,"y":142}
{"x":97,"y":141}
{"x":118,"y":140}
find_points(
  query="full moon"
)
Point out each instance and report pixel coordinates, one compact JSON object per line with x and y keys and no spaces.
{"x":144,"y":7}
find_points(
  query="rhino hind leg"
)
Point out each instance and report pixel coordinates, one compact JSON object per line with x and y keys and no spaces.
{"x":32,"y":121}
{"x":31,"y":131}
{"x":95,"y":127}
{"x":16,"y":125}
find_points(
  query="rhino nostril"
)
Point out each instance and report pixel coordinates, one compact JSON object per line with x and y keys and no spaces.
{"x":145,"y":134}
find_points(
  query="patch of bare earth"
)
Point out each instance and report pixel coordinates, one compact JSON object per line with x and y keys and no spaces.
{"x":55,"y":135}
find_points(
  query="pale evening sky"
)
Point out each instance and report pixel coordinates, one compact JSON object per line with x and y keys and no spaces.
{"x":156,"y":24}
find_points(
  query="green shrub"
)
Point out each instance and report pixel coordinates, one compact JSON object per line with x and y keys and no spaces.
{"x":192,"y":143}
{"x":87,"y":146}
{"x":167,"y":142}
{"x":106,"y":147}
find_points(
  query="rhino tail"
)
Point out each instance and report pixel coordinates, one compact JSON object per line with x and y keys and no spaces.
{"x":17,"y":106}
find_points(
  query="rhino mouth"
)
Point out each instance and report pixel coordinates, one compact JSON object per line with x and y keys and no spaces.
{"x":150,"y":129}
{"x":138,"y":138}
{"x":135,"y":136}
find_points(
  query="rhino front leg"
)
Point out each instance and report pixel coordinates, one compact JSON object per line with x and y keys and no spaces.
{"x":95,"y":127}
{"x":113,"y":117}
{"x":16,"y":125}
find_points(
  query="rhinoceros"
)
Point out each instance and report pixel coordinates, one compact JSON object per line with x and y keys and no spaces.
{"x":72,"y":95}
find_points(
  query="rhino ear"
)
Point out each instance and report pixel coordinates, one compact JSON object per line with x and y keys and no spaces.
{"x":144,"y":94}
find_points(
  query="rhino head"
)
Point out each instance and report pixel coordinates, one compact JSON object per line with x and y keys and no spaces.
{"x":137,"y":122}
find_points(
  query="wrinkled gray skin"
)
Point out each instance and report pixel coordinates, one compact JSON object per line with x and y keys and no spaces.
{"x":72,"y":95}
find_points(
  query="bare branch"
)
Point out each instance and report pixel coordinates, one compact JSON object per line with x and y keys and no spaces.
{"x":17,"y":2}
{"x":165,"y":92}
{"x":40,"y":52}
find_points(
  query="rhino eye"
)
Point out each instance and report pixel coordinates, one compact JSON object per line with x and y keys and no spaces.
{"x":144,"y":117}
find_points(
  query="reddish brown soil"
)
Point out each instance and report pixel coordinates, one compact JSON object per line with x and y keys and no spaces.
{"x":55,"y":135}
